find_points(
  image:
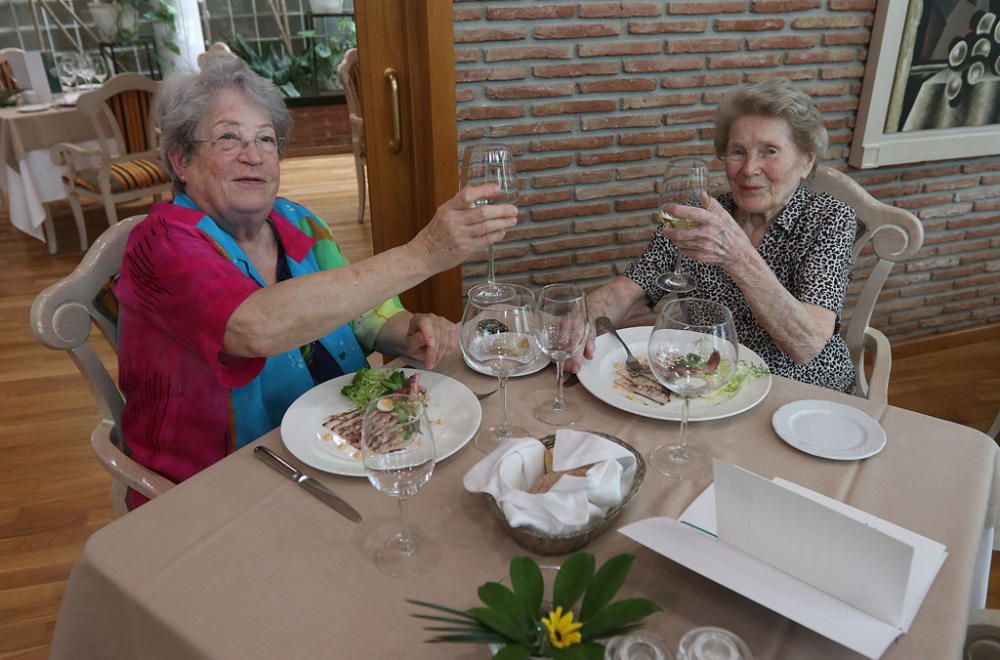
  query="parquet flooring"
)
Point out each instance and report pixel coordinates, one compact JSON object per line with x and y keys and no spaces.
{"x":54,"y":494}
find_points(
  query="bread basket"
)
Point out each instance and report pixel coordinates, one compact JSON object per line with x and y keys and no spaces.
{"x":546,"y":544}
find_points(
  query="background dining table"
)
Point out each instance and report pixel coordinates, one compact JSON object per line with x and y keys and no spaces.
{"x":239,"y":562}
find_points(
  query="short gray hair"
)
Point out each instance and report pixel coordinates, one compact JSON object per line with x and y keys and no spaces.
{"x":778,"y":98}
{"x":186,"y":97}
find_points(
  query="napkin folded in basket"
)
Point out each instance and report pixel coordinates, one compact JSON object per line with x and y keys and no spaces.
{"x":573,"y":502}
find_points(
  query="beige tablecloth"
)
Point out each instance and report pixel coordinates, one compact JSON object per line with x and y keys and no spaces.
{"x":239,"y":562}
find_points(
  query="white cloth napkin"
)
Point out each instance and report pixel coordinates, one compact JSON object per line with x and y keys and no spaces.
{"x":573,"y":502}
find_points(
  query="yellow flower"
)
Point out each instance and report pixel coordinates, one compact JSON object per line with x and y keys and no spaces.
{"x":562,"y":630}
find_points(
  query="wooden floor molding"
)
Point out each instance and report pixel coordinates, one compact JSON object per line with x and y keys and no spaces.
{"x":946,"y":340}
{"x":54,"y":494}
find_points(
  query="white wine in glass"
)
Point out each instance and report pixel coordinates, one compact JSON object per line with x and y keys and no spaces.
{"x":490,"y":163}
{"x":683,"y":184}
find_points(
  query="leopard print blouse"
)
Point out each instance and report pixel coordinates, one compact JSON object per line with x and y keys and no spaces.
{"x":809,"y":249}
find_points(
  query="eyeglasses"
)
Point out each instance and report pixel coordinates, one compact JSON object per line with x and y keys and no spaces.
{"x":231,"y":143}
{"x":740,"y":155}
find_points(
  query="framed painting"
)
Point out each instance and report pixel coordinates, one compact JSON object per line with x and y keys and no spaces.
{"x":932,"y":83}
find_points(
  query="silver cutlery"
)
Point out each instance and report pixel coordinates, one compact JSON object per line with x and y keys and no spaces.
{"x":633,"y":365}
{"x":310,"y":485}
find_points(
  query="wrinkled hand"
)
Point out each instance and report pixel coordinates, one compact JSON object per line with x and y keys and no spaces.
{"x":457,"y":231}
{"x":574,"y":363}
{"x":717,"y":239}
{"x":430,"y":338}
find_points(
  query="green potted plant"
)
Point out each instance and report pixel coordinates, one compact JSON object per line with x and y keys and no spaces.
{"x":118,"y":21}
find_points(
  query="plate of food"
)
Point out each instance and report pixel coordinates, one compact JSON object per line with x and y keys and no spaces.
{"x":607,"y":378}
{"x":322,"y":428}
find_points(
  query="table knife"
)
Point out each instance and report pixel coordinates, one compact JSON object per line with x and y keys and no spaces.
{"x":310,"y":485}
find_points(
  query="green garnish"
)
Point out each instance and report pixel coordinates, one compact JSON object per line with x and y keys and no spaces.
{"x":370,"y":384}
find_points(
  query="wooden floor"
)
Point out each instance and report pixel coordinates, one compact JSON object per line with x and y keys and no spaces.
{"x":53,"y":493}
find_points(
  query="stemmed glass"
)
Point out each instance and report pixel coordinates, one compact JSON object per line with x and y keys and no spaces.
{"x":561,"y":331}
{"x":98,"y":68}
{"x":490,"y":163}
{"x":497,"y":335}
{"x":693,"y":351}
{"x":397,"y":450}
{"x":66,"y":69}
{"x":85,"y":71}
{"x":684,"y":182}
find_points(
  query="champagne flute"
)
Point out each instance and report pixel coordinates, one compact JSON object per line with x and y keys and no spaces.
{"x":693,"y":351}
{"x":497,"y":335}
{"x":561,"y":331}
{"x":397,"y":450}
{"x":683,"y":183}
{"x":490,"y":163}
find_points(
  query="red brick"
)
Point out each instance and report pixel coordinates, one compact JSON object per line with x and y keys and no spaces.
{"x":945,"y":211}
{"x":702,"y":80}
{"x":610,"y":254}
{"x":542,"y":263}
{"x":490,"y":112}
{"x":966,"y":246}
{"x":894,"y":191}
{"x":465,"y":94}
{"x":619,"y":121}
{"x":954,"y":273}
{"x":614,"y":222}
{"x":835,"y":72}
{"x":472,"y":133}
{"x":460,"y":14}
{"x":533,"y":198}
{"x":529,"y":91}
{"x":573,"y":107}
{"x":663,"y":64}
{"x":782,"y":42}
{"x":573,"y":178}
{"x":666,"y":27}
{"x":576,"y":31}
{"x":852,"y":5}
{"x":744,"y":61}
{"x":640,"y":172}
{"x":710,"y":45}
{"x":690,"y":117}
{"x":546,"y":163}
{"x":748,"y":24}
{"x":532,"y":128}
{"x":477,"y":35}
{"x":794,"y":74}
{"x":463,"y":55}
{"x":670,"y":151}
{"x":826,"y":22}
{"x":526,"y":232}
{"x":782,"y":6}
{"x":572,"y":144}
{"x":619,"y":48}
{"x":951,"y":184}
{"x":930,"y":172}
{"x":573,"y":275}
{"x":658,"y":101}
{"x":847,"y":39}
{"x":614,"y":190}
{"x":617,"y":85}
{"x":989,"y":180}
{"x":821,"y":56}
{"x":981,"y":167}
{"x":635,"y":235}
{"x":619,"y":9}
{"x":657,"y":137}
{"x":636,"y":204}
{"x":530,"y":12}
{"x":837,"y":106}
{"x":554,"y":52}
{"x":576,"y":69}
{"x":988,"y":205}
{"x":572,"y":211}
{"x":491,"y":73}
{"x":586,"y":160}
{"x":717,"y":7}
{"x":830,"y":89}
{"x":993,"y":230}
{"x":571,"y":243}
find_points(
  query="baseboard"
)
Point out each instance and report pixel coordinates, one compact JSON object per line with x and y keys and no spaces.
{"x":946,"y":340}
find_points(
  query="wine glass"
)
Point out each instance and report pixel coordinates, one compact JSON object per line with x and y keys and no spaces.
{"x":497,"y":335}
{"x":693,"y":351}
{"x":397,"y":450}
{"x":99,"y":69}
{"x":490,"y":163}
{"x":85,"y":71}
{"x":66,"y":69}
{"x":683,"y":183}
{"x":561,"y":331}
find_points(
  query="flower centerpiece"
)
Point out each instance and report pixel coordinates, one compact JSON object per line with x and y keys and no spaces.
{"x":522,"y":621}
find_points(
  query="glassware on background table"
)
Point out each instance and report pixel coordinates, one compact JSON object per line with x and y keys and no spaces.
{"x":397,"y":450}
{"x":67,"y":68}
{"x":85,"y":71}
{"x":637,"y":646}
{"x":490,"y":163}
{"x":693,"y":351}
{"x":98,"y":68}
{"x":561,"y":331}
{"x":710,"y":643}
{"x":497,"y":335}
{"x":684,"y":182}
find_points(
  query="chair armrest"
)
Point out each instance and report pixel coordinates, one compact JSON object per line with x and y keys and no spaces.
{"x":121,"y":467}
{"x":982,"y":639}
{"x":63,"y":153}
{"x":876,"y":388}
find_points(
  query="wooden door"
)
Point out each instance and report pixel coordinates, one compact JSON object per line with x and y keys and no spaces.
{"x":408,"y":181}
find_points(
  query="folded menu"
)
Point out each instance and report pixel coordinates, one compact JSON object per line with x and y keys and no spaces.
{"x":839,"y":571}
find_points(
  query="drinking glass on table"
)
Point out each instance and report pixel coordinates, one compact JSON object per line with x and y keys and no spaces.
{"x":561,"y":330}
{"x":683,"y":184}
{"x":67,"y":65}
{"x":85,"y":71}
{"x":497,"y":335}
{"x":397,"y":450}
{"x":98,"y":68}
{"x":490,"y":163}
{"x":693,"y":351}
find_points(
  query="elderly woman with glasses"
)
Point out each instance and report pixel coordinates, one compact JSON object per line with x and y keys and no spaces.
{"x":777,"y":254}
{"x":234,"y":301}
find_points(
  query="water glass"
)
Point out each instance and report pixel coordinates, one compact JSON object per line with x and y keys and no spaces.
{"x":710,"y":643}
{"x":637,"y":646}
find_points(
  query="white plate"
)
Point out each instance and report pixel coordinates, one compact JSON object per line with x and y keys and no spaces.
{"x":539,"y":363}
{"x":829,"y":430}
{"x":302,"y":429}
{"x":33,"y":107}
{"x":598,"y":376}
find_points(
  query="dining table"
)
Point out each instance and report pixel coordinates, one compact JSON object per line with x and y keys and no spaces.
{"x":240,"y":562}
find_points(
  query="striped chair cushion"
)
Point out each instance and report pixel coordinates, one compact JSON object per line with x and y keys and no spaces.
{"x":131,"y":110}
{"x":130,"y":175}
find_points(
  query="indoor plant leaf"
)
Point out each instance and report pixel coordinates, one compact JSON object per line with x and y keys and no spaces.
{"x":605,"y":584}
{"x":582,"y":651}
{"x":526,"y":578}
{"x":572,"y":580}
{"x":501,"y":622}
{"x":498,"y":597}
{"x":618,"y":614}
{"x":512,"y":652}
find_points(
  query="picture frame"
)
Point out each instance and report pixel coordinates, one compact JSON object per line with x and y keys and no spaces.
{"x":884,"y":134}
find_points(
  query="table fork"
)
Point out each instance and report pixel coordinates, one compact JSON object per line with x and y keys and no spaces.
{"x":633,"y":365}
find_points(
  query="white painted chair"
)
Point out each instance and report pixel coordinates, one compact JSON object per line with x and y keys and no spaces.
{"x":982,"y":639}
{"x":61,"y":318}
{"x":895,"y":236}
{"x":349,"y":74}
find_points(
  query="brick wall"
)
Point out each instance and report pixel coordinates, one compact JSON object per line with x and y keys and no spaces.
{"x":320,"y":129}
{"x":595,"y":97}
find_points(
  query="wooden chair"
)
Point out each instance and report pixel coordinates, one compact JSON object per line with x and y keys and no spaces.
{"x":61,"y":318}
{"x":128,"y":163}
{"x":895,"y":236}
{"x":7,"y":80}
{"x":349,"y":75}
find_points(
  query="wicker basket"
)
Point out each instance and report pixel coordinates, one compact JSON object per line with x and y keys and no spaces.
{"x":545,"y":544}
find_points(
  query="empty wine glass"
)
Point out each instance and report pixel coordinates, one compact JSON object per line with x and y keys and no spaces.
{"x":561,"y":331}
{"x":693,"y":351}
{"x":66,"y":69}
{"x":684,"y":182}
{"x":397,"y":450}
{"x":497,"y":335}
{"x":490,"y":163}
{"x":98,"y":68}
{"x":85,"y":71}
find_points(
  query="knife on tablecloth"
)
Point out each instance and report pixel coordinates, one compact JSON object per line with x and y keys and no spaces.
{"x":312,"y":486}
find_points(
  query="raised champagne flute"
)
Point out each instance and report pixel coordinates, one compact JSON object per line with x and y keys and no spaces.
{"x":684,"y":182}
{"x":397,"y":450}
{"x":490,"y":163}
{"x":693,"y":351}
{"x":497,"y":336}
{"x":561,"y":330}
